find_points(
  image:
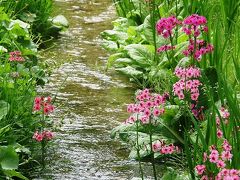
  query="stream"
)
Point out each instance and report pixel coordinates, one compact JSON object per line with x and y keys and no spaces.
{"x":90,"y":102}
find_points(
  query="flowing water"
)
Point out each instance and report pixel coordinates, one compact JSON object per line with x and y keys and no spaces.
{"x":90,"y":101}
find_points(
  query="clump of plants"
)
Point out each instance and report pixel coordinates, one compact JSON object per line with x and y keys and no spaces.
{"x":20,"y":73}
{"x":198,"y":121}
{"x":38,"y":14}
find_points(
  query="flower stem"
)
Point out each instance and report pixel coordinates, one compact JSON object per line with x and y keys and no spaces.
{"x":138,"y":153}
{"x":152,"y":153}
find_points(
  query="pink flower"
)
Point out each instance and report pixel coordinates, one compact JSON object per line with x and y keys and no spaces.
{"x":149,"y":104}
{"x":224,"y":113}
{"x":38,"y":136}
{"x":220,"y":164}
{"x":145,"y":119}
{"x":204,"y":157}
{"x":37,"y":107}
{"x":38,"y":100}
{"x":213,"y":157}
{"x":219,"y":133}
{"x":226,"y":156}
{"x":147,"y":112}
{"x":48,"y":135}
{"x":165,"y":26}
{"x":41,"y":102}
{"x":165,"y":48}
{"x":157,"y":146}
{"x":194,"y":96}
{"x":226,"y":146}
{"x":200,"y":169}
{"x":204,"y":178}
{"x":130,"y":108}
{"x":16,"y":56}
{"x":170,"y":149}
{"x":218,"y":121}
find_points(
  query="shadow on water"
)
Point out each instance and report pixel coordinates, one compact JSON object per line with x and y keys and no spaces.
{"x":90,"y":101}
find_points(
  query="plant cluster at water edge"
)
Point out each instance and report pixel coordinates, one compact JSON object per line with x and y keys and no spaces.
{"x":184,"y":57}
{"x":25,"y":124}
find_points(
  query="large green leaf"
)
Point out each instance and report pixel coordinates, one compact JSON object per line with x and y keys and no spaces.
{"x":116,"y":36}
{"x":171,"y":115}
{"x":8,"y":158}
{"x":129,"y":71}
{"x":122,"y":128}
{"x":142,"y":54}
{"x":147,"y":32}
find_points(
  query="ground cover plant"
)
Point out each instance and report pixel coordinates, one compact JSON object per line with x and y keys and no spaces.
{"x":184,"y":55}
{"x":25,"y":126}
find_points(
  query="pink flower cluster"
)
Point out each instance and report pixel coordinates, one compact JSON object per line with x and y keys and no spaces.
{"x":228,"y":174}
{"x":198,"y":51}
{"x":165,"y":26}
{"x":161,"y":147}
{"x":186,"y":83}
{"x":48,"y":135}
{"x":217,"y":158}
{"x":187,"y":73}
{"x":41,"y":103}
{"x":148,"y":105}
{"x":194,"y":24}
{"x":165,"y":48}
{"x":16,"y":56}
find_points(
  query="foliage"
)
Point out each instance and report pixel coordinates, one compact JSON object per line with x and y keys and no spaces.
{"x":150,"y":61}
{"x":20,"y":73}
{"x":38,"y":14}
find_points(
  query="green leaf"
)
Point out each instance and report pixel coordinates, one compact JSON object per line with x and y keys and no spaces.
{"x":4,"y":108}
{"x":8,"y":158}
{"x":129,"y":71}
{"x":112,"y":58}
{"x":122,"y":128}
{"x":3,"y":49}
{"x":142,"y":54}
{"x":20,"y":23}
{"x":113,"y":35}
{"x":12,"y":173}
{"x":4,"y":130}
{"x":184,"y":62}
{"x":147,"y":30}
{"x":171,"y":114}
{"x":172,"y":174}
{"x":28,"y":17}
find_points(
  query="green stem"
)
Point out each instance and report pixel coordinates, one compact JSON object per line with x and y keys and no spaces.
{"x":138,"y":153}
{"x":152,"y":153}
{"x":43,"y":153}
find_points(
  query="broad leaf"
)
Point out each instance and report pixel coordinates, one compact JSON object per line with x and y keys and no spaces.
{"x":129,"y":71}
{"x":8,"y":158}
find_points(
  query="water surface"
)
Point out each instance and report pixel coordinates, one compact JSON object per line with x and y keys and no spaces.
{"x":90,"y":101}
